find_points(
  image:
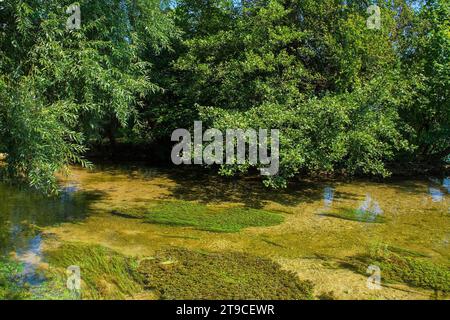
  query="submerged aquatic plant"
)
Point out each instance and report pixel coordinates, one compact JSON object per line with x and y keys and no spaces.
{"x":202,"y":217}
{"x":11,"y":286}
{"x":174,"y":274}
{"x":185,"y":274}
{"x":105,"y":274}
{"x":356,"y":215}
{"x":404,"y":266}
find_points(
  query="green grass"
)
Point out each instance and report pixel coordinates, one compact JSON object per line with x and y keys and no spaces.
{"x":185,"y":274}
{"x":356,"y":215}
{"x":404,"y":266}
{"x":202,"y":217}
{"x":105,"y":274}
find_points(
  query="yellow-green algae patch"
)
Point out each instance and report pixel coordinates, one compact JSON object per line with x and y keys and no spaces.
{"x":105,"y":274}
{"x":174,"y":273}
{"x":404,"y":266}
{"x":185,"y":274}
{"x":356,"y":215}
{"x":202,"y":217}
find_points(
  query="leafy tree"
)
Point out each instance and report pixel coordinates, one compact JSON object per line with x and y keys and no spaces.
{"x":426,"y":63}
{"x":345,"y":97}
{"x":59,"y":88}
{"x":311,"y":69}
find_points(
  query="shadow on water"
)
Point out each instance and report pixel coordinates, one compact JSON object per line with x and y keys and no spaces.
{"x":133,"y":170}
{"x":438,"y":186}
{"x":23,"y":214}
{"x":212,"y":189}
{"x":207,"y":187}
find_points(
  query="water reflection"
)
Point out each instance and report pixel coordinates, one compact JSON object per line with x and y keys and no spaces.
{"x":328,"y":196}
{"x":31,"y":256}
{"x":446,"y":184}
{"x":22,"y":213}
{"x":436,"y":194}
{"x":369,"y":209}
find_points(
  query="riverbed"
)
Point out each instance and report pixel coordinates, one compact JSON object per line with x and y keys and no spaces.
{"x":312,"y":241}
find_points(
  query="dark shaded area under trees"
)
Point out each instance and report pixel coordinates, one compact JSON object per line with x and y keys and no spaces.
{"x":346,"y":98}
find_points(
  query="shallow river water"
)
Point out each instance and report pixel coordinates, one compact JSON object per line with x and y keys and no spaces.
{"x":310,"y":241}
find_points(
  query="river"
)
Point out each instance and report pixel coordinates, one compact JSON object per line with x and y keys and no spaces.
{"x":412,"y":214}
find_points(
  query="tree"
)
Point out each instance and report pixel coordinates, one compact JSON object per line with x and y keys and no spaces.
{"x":311,"y":69}
{"x":59,"y":88}
{"x":426,"y":64}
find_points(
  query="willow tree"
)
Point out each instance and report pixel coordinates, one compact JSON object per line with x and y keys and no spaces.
{"x":65,"y":81}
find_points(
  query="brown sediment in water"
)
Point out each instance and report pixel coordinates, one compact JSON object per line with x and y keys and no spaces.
{"x":307,"y":242}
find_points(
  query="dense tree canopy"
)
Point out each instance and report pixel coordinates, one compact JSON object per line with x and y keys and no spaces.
{"x":61,"y":87}
{"x":345,"y":97}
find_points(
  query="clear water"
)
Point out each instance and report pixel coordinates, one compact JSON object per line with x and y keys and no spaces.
{"x":416,"y":211}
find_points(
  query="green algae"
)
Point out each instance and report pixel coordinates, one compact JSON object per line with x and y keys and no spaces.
{"x":406,"y":252}
{"x":356,"y":215}
{"x":226,"y":275}
{"x":407,"y":207}
{"x":174,"y":274}
{"x":105,"y":274}
{"x":11,"y":287}
{"x":399,"y":265}
{"x":202,"y":217}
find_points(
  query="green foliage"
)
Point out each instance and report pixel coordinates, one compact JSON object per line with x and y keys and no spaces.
{"x":184,"y":274}
{"x":346,"y":98}
{"x":312,"y":69}
{"x":60,"y":88}
{"x":427,"y":66}
{"x":202,"y":217}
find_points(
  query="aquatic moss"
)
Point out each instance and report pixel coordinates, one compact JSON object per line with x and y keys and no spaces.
{"x":405,"y":252}
{"x":356,"y":215}
{"x":330,"y":295}
{"x":105,"y":274}
{"x":202,"y":217}
{"x":11,"y":286}
{"x":129,"y":215}
{"x":185,"y":274}
{"x":404,"y":267}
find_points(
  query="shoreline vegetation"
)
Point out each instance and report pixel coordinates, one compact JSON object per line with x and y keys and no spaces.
{"x":107,"y":158}
{"x":345,"y":98}
{"x":159,"y":156}
{"x":90,"y":101}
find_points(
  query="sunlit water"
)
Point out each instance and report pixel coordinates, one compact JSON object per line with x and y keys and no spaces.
{"x":416,"y":216}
